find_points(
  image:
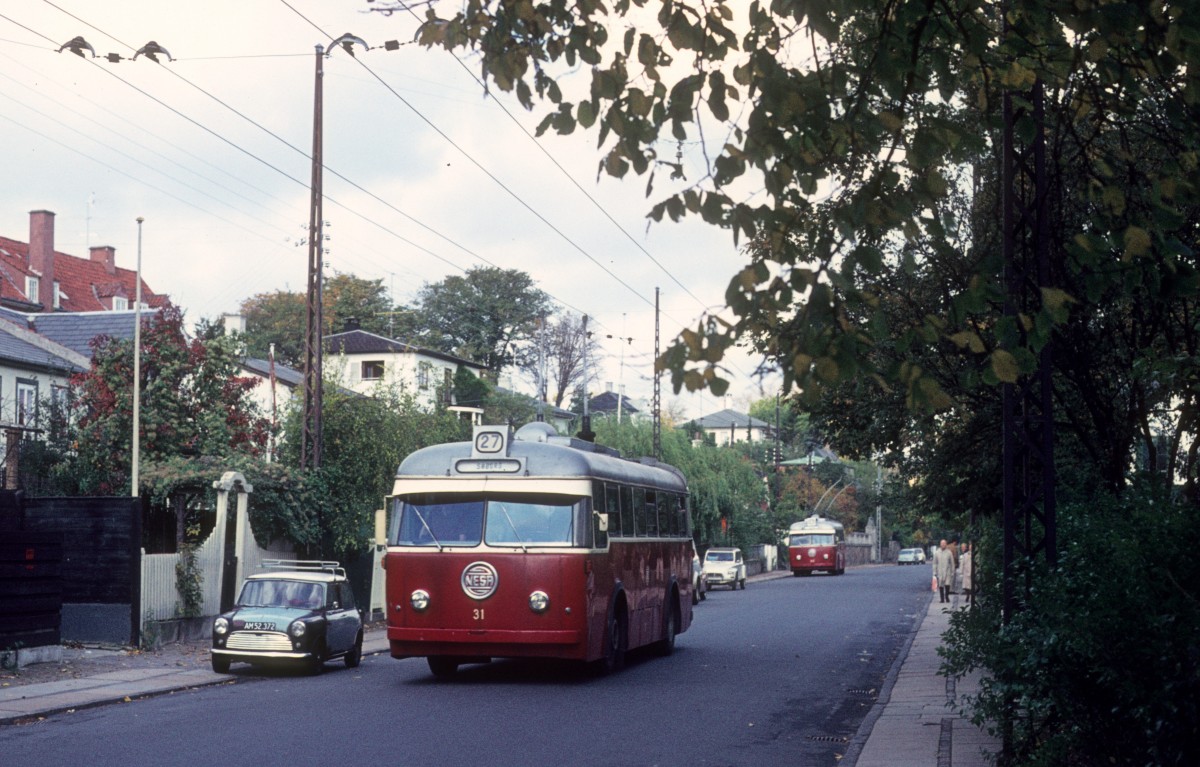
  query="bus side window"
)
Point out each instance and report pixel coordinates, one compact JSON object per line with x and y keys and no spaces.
{"x":628,"y":525}
{"x":666,"y":514}
{"x":639,"y":511}
{"x":612,"y":503}
{"x":599,"y":537}
{"x":652,"y":521}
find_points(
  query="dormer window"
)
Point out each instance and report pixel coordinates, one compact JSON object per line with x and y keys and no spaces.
{"x":120,"y":303}
{"x":31,"y":289}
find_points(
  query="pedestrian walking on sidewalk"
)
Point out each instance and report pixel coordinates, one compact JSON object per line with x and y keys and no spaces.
{"x":964,"y":564}
{"x":943,"y":570}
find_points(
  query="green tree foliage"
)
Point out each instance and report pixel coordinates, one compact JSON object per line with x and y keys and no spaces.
{"x":366,"y":301}
{"x":192,"y":403}
{"x":1101,"y":665}
{"x":795,"y":434}
{"x":482,"y":316}
{"x":276,"y":318}
{"x":280,"y":317}
{"x":363,"y":441}
{"x":728,"y":496}
{"x":863,"y":123}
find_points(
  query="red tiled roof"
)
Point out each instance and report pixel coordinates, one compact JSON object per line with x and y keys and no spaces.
{"x":85,"y":285}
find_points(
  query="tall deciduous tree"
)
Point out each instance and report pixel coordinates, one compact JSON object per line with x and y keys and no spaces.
{"x":559,"y":349}
{"x":276,"y":319}
{"x":192,"y":403}
{"x":482,"y":315}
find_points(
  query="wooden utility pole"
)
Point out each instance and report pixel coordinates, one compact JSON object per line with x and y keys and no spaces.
{"x":310,"y":442}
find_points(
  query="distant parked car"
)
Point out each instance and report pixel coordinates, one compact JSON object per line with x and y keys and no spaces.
{"x":725,"y":567}
{"x":911,"y":557}
{"x":293,"y":611}
{"x":699,"y":585}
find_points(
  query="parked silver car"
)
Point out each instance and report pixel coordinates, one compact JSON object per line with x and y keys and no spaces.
{"x":699,"y":585}
{"x":725,"y":567}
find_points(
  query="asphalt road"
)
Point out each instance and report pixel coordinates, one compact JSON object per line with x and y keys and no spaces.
{"x":781,"y":673}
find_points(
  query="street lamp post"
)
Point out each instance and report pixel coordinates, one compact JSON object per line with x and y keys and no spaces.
{"x":137,"y":361}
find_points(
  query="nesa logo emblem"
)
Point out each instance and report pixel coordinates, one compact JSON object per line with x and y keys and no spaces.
{"x":479,"y":580}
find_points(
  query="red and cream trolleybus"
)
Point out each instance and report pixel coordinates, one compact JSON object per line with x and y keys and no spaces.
{"x":530,"y":544}
{"x":817,"y":543}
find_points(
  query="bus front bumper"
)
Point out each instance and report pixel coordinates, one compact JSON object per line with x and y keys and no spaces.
{"x":415,"y":642}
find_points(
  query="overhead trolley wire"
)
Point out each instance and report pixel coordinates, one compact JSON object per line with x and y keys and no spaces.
{"x":475,"y":162}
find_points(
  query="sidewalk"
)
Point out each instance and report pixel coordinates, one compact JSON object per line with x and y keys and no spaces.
{"x":140,"y":678}
{"x":912,"y":724}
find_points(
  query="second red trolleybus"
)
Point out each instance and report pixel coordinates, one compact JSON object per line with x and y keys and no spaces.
{"x":817,"y":543}
{"x":535,"y":545}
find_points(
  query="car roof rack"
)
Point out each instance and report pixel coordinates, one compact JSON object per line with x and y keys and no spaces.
{"x":308,"y":565}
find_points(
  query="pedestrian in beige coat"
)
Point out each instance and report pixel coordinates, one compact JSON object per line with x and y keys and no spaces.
{"x":943,"y":569}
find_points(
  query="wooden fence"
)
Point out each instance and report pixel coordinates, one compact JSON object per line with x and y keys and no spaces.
{"x":160,"y":594}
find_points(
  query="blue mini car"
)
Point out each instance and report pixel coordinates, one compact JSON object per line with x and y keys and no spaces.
{"x":298,"y":612}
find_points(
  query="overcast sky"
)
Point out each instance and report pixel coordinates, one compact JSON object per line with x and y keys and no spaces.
{"x":426,"y":176}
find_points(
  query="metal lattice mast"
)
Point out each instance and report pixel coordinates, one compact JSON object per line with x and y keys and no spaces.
{"x":657,"y":405}
{"x":1028,"y":424}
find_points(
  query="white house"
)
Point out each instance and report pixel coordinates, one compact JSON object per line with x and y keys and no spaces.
{"x":362,"y":361}
{"x":727,"y":427}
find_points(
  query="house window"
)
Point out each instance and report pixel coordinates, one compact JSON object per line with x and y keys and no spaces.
{"x":120,"y":303}
{"x":58,"y":409}
{"x":27,"y":392}
{"x":31,"y":289}
{"x":423,"y":375}
{"x":372,"y":370}
{"x":57,"y":296}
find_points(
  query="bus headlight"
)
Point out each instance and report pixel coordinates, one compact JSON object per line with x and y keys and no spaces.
{"x":220,"y":626}
{"x":420,"y":600}
{"x":539,"y":602}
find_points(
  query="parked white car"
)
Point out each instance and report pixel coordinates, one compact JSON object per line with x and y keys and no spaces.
{"x":725,"y":567}
{"x":911,"y":557}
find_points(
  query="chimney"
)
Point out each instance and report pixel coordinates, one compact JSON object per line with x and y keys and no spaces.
{"x":41,"y":253}
{"x":234,"y":323}
{"x":351,"y":324}
{"x":107,"y":255}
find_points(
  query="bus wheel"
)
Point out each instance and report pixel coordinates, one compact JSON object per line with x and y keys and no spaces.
{"x":666,"y":645}
{"x":616,"y":642}
{"x":442,"y":667}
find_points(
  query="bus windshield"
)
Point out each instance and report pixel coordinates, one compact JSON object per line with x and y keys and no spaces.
{"x":812,"y":539}
{"x":465,"y":520}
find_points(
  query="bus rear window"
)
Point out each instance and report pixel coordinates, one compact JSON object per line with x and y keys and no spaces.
{"x":812,"y":539}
